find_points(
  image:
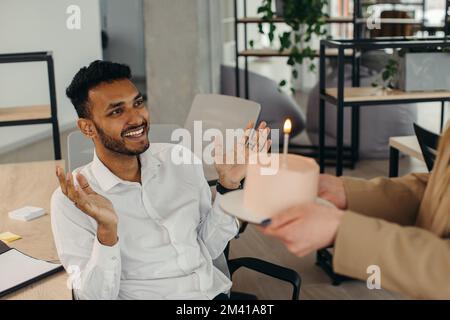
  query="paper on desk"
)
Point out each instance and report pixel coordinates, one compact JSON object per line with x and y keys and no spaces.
{"x":19,"y":269}
{"x":9,"y":237}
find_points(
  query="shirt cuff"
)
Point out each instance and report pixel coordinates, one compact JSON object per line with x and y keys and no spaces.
{"x":221,"y":217}
{"x":105,"y":256}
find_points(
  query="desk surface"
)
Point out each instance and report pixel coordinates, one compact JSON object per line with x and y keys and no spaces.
{"x":32,"y":184}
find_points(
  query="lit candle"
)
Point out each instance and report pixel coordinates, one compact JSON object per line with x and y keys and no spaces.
{"x":287,"y":130}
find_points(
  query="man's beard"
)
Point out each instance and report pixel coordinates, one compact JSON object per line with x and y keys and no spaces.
{"x":118,"y":146}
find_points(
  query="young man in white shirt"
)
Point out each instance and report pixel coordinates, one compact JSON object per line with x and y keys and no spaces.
{"x":132,"y":224}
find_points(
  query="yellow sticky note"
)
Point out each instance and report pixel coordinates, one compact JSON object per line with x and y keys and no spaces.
{"x":9,"y":237}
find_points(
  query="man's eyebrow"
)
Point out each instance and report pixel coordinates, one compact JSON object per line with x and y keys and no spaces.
{"x":113,"y":105}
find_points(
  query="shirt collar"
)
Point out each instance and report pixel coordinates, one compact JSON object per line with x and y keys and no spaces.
{"x":108,"y":180}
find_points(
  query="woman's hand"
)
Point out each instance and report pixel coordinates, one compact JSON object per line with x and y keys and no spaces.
{"x":305,"y":228}
{"x":331,"y":188}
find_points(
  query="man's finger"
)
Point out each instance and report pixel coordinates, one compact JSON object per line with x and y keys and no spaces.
{"x":250,"y":125}
{"x":70,"y":186}
{"x":81,"y":198}
{"x":84,"y":184}
{"x":83,"y":203}
{"x":263,"y":138}
{"x":268,"y":145}
{"x":61,"y":179}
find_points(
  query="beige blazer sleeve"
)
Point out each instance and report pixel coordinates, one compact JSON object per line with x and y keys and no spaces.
{"x":412,"y":260}
{"x":395,"y":199}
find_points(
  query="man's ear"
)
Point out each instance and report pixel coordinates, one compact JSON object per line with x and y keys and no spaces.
{"x":87,"y":127}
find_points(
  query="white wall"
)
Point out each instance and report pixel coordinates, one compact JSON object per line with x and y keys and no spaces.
{"x":30,"y":25}
{"x":183,"y":54}
{"x":124,"y":23}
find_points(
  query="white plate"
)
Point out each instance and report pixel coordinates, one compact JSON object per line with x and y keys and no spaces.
{"x":233,"y":204}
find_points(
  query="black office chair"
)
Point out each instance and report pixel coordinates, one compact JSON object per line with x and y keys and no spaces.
{"x":428,"y":142}
{"x":264,"y":267}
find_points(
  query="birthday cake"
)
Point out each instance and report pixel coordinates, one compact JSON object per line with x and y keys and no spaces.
{"x":279,"y":182}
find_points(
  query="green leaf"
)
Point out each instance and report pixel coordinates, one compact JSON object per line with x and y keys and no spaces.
{"x":262,"y":9}
{"x":260,"y":28}
{"x":306,"y":18}
{"x":291,"y":61}
{"x":251,"y":43}
{"x":282,"y":83}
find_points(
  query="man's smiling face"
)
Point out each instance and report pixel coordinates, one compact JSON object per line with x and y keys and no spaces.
{"x":120,"y":117}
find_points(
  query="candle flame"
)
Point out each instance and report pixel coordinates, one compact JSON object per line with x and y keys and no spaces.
{"x":287,"y":126}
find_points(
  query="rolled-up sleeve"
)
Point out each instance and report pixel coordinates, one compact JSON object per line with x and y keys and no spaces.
{"x":395,"y":200}
{"x":412,"y":261}
{"x":94,"y":268}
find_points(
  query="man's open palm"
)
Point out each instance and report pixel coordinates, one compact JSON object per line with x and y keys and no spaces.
{"x":86,"y":199}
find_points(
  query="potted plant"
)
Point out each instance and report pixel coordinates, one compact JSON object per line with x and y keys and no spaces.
{"x":387,"y":78}
{"x":416,"y":69}
{"x":423,"y":69}
{"x":305,"y":19}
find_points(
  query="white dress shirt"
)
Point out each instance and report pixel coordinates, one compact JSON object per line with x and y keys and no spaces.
{"x":168,"y":231}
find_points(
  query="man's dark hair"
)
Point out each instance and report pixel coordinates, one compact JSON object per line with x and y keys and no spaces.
{"x":90,"y":77}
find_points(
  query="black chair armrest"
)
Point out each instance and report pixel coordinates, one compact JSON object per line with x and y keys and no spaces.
{"x":269,"y":269}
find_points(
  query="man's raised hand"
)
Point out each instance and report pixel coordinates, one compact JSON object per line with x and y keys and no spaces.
{"x":92,"y":204}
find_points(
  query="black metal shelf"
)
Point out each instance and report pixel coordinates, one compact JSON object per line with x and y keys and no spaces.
{"x":337,"y":96}
{"x":52,"y":117}
{"x":355,"y":57}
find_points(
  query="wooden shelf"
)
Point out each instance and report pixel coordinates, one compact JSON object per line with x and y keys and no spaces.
{"x":405,"y":3}
{"x":362,"y":94}
{"x":25,"y":113}
{"x":281,"y":20}
{"x":275,"y":53}
{"x":392,"y":21}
